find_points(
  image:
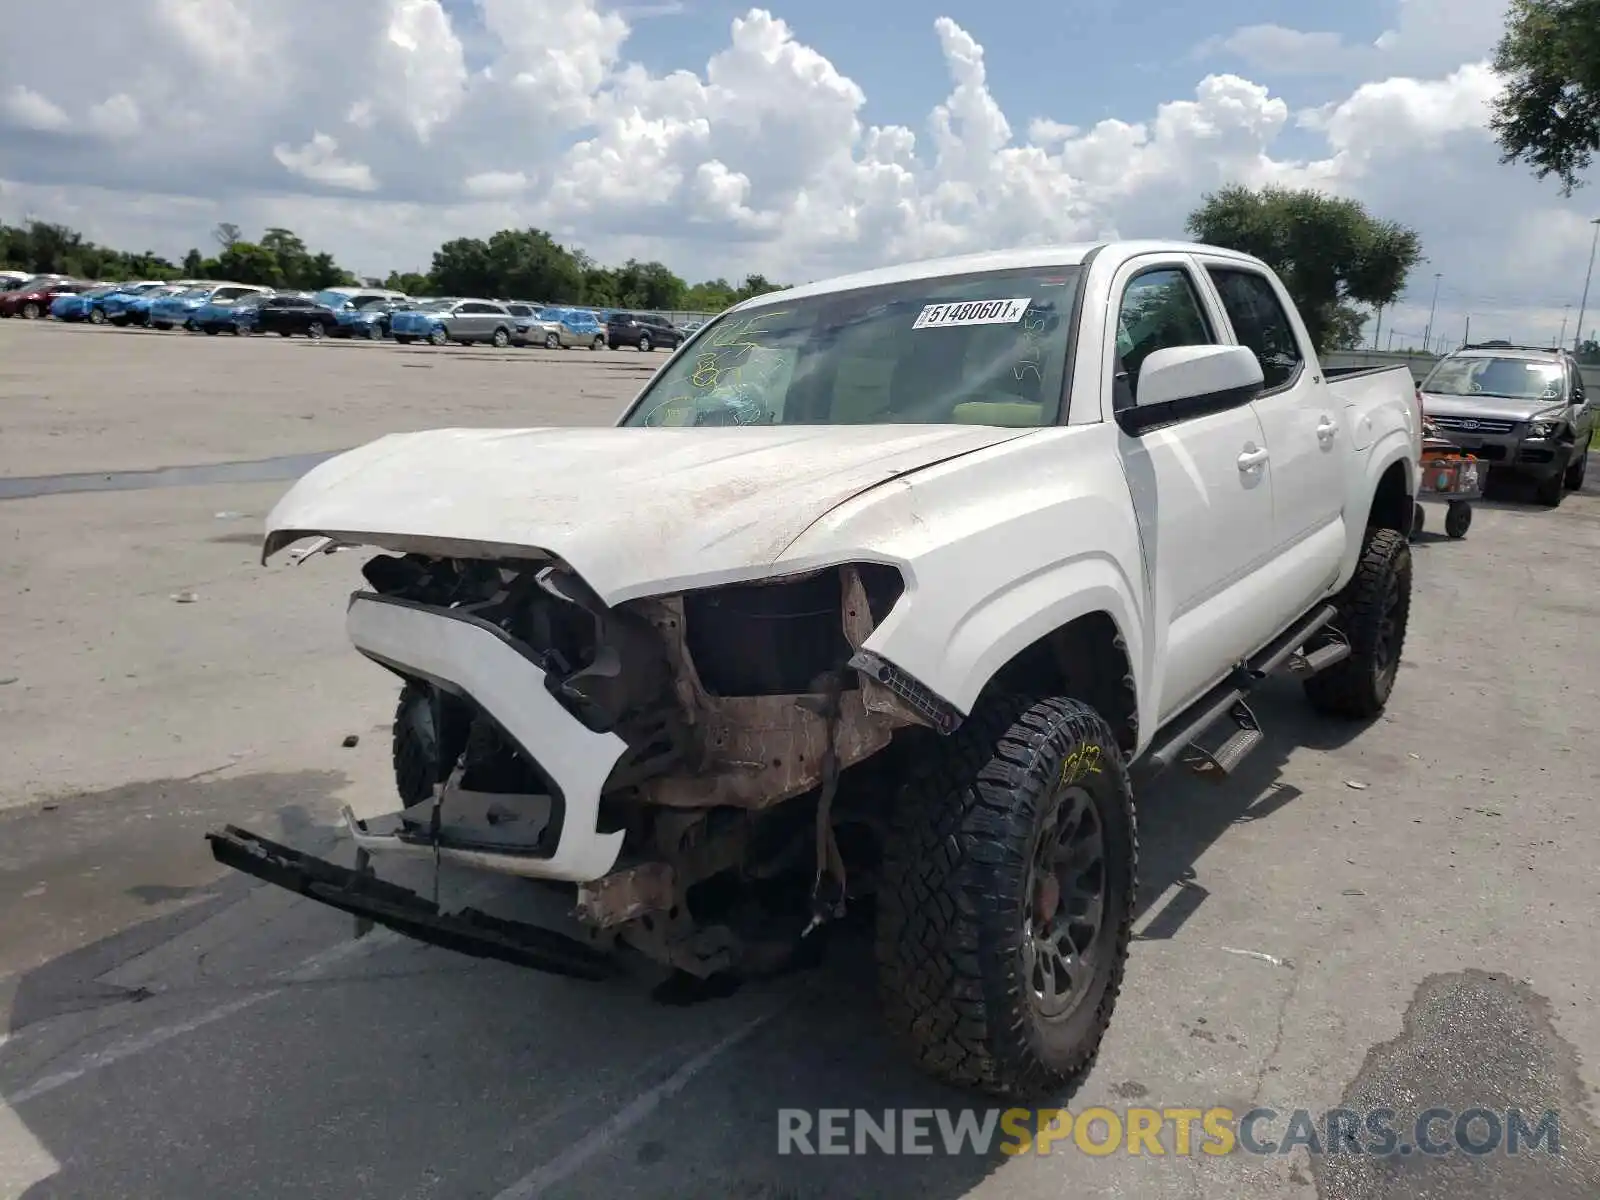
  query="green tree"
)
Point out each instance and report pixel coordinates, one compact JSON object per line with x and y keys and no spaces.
{"x":1332,"y":255}
{"x":194,"y":265}
{"x":409,"y":282}
{"x":529,"y":264}
{"x":247,"y":262}
{"x":461,"y":268}
{"x":1548,"y":113}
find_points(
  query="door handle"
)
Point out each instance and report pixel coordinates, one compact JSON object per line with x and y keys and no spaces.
{"x":1251,"y":458}
{"x":1327,"y":430}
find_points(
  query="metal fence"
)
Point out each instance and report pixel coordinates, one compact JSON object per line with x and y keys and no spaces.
{"x":1421,"y":364}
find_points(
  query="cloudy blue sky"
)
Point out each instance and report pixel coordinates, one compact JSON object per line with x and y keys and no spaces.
{"x":794,"y":138}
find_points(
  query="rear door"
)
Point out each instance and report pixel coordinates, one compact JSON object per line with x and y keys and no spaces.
{"x":1202,"y":501}
{"x":1306,"y":435}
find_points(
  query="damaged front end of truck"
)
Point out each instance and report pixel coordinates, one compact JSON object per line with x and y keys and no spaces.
{"x":707,"y":769}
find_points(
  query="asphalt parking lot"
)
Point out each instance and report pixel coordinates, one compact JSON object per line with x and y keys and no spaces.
{"x":1400,"y":916}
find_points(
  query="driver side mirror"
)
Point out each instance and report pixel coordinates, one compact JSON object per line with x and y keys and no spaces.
{"x":1190,"y":381}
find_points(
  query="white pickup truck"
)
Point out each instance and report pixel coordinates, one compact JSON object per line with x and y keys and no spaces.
{"x":868,"y":603}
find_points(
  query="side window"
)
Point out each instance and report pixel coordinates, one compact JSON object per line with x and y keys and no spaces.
{"x":1160,"y":309}
{"x":1260,"y":323}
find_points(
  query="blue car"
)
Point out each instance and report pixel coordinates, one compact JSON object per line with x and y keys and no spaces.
{"x":172,"y":312}
{"x":83,"y":306}
{"x":133,"y":308}
{"x":423,"y":322}
{"x":237,"y":317}
{"x":361,"y":312}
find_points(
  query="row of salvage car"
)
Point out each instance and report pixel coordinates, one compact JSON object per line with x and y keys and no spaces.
{"x":215,"y":307}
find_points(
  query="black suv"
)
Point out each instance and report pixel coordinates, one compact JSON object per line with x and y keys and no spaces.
{"x":641,"y":330}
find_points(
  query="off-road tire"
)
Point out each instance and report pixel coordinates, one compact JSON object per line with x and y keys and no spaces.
{"x":416,"y":750}
{"x":1572,"y":479}
{"x":954,"y":898}
{"x":1419,"y":521}
{"x":1359,"y":686}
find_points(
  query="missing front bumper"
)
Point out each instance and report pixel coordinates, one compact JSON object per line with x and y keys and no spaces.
{"x":469,"y":931}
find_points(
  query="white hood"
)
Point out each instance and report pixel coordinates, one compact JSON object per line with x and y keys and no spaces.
{"x":636,"y":512}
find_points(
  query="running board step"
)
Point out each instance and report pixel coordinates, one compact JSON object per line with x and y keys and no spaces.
{"x":1303,"y":666}
{"x":371,"y":899}
{"x":1216,"y":765}
{"x":1221,"y":701}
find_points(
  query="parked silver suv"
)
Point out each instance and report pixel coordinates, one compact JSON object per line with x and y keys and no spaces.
{"x":1521,"y":408}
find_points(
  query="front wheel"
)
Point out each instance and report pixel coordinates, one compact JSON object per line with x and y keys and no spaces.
{"x":315,"y":330}
{"x":1579,"y":466}
{"x":210,"y":330}
{"x":439,"y":337}
{"x":644,"y":343}
{"x":599,"y":344}
{"x":402,"y":340}
{"x":421,"y":757}
{"x":500,"y":340}
{"x":552,"y":342}
{"x":1007,"y":898}
{"x":30,"y":311}
{"x":1374,"y":610}
{"x":1551,"y":490}
{"x":374,"y":332}
{"x":97,"y":316}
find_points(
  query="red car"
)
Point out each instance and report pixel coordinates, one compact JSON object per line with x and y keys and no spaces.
{"x":32,"y":300}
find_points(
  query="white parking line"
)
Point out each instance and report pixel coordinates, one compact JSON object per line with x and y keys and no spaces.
{"x":572,"y":1160}
{"x":301,"y":973}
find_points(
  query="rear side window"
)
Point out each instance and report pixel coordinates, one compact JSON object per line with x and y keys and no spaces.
{"x":1260,"y":323}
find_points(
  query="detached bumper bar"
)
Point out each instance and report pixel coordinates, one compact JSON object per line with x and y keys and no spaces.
{"x":466,"y":932}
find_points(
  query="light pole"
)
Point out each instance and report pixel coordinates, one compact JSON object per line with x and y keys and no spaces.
{"x":1566,"y":311}
{"x":1577,"y":337}
{"x":1427,"y":334}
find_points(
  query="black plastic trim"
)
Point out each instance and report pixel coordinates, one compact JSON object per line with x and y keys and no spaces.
{"x":1142,"y":418}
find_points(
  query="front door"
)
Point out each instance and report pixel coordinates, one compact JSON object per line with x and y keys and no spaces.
{"x":1201,"y":493}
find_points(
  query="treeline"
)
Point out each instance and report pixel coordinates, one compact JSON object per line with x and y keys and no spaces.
{"x":512,"y":264}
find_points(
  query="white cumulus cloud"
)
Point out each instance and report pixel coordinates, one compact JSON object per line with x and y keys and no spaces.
{"x":378,"y":130}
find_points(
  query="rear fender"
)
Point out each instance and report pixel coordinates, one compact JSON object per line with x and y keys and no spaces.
{"x":1391,"y":448}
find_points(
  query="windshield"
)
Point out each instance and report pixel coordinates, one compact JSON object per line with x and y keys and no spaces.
{"x":987,"y":349}
{"x":194,"y":294}
{"x":435,"y":305}
{"x":331,"y":299}
{"x":1503,"y":378}
{"x":144,"y":288}
{"x":105,"y":289}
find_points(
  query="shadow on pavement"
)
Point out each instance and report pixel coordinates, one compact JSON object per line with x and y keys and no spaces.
{"x":407,"y":1071}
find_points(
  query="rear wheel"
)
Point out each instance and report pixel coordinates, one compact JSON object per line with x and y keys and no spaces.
{"x":284,"y":333}
{"x":402,"y":340}
{"x":210,"y":330}
{"x":1007,"y":899}
{"x":1374,"y":610}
